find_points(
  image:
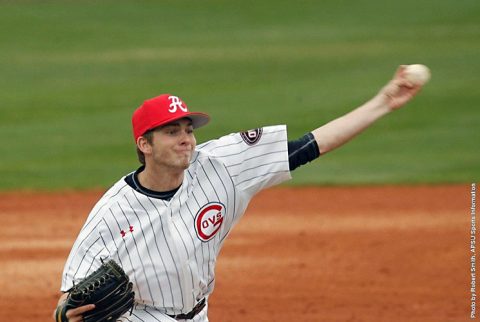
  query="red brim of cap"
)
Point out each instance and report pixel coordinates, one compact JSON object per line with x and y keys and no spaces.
{"x":198,"y":120}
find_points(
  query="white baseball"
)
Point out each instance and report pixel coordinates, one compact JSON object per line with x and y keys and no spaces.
{"x":417,"y":74}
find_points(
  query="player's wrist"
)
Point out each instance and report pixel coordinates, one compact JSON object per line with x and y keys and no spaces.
{"x":60,"y":314}
{"x":379,"y":105}
{"x":383,"y":102}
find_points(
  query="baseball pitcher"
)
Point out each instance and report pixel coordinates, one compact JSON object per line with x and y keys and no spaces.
{"x":164,"y":224}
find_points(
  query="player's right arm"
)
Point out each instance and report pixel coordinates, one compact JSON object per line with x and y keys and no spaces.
{"x":74,"y":315}
{"x":392,"y":96}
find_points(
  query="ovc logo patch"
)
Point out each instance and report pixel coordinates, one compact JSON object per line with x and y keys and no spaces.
{"x":208,"y":220}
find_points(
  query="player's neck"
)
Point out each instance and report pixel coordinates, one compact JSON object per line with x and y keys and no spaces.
{"x":160,"y":180}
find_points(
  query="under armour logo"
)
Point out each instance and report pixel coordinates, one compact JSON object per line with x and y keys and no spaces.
{"x":123,"y":232}
{"x":176,"y":103}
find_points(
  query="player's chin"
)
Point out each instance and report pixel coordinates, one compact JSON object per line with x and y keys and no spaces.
{"x":184,"y":161}
{"x":184,"y":165}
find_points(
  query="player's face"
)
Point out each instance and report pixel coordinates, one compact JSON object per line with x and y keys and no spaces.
{"x":173,"y":145}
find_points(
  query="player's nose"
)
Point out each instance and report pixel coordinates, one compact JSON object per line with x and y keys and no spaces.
{"x":187,"y":138}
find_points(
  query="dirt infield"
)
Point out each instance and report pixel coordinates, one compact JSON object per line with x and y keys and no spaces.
{"x":300,"y":254}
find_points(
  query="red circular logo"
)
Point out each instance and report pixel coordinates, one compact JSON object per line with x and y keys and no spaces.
{"x":208,"y":220}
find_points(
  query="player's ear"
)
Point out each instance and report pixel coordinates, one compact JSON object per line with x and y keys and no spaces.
{"x":143,"y":145}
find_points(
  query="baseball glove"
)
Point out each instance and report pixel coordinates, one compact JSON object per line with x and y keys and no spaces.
{"x":108,"y":288}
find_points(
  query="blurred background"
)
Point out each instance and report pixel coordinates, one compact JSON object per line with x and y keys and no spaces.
{"x":72,"y":72}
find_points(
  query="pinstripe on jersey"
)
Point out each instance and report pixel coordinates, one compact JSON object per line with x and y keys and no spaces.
{"x":169,"y":248}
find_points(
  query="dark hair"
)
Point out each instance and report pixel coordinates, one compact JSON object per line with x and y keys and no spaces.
{"x":149,"y":137}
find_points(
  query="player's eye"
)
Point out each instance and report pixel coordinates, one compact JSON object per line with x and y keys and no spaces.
{"x":171,"y":130}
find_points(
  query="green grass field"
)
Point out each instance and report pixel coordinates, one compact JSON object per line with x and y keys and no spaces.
{"x":72,"y":72}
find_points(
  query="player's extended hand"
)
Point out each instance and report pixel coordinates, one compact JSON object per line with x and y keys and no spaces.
{"x":399,"y":90}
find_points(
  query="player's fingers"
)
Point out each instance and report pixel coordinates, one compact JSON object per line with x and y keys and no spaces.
{"x":394,"y":87}
{"x":77,"y":312}
{"x":405,"y":83}
{"x":415,"y":89}
{"x":400,"y":72}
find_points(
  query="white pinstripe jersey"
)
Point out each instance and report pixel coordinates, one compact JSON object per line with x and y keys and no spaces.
{"x":169,"y":248}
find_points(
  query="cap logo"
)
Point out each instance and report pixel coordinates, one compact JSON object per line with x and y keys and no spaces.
{"x":176,"y":103}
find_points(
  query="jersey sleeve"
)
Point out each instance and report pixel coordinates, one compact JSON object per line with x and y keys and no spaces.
{"x":85,"y":255}
{"x":255,"y":159}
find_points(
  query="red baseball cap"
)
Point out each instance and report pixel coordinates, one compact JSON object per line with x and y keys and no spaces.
{"x":161,"y":110}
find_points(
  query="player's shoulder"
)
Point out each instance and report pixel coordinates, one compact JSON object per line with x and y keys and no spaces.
{"x":118,"y":189}
{"x":240,"y":139}
{"x":111,"y":196}
{"x":233,"y":147}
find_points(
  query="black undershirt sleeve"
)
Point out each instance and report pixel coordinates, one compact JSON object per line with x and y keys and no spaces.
{"x":302,"y":151}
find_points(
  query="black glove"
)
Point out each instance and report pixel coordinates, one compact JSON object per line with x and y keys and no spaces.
{"x":108,"y":288}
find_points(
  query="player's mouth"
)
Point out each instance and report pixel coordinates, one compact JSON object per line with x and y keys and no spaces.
{"x":184,"y":153}
{"x":184,"y":150}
